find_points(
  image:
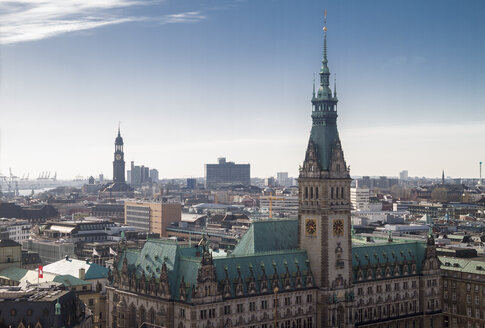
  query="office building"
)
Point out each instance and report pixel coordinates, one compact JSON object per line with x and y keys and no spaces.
{"x":226,"y":174}
{"x":152,"y":216}
{"x":359,"y":198}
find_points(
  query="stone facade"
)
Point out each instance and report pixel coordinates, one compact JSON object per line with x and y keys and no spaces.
{"x":463,"y":292}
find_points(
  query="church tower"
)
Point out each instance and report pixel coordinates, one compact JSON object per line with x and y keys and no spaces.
{"x":119,"y":160}
{"x":324,"y":207}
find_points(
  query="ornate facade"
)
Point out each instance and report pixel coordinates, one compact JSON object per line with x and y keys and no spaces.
{"x":305,"y":273}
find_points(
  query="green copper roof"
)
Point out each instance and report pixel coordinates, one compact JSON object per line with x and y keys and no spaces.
{"x":281,"y":261}
{"x":462,"y":265}
{"x":392,"y":253}
{"x":69,"y":281}
{"x":13,"y":273}
{"x":271,"y":244}
{"x":268,"y":235}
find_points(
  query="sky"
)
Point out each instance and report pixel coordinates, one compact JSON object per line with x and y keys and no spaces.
{"x":191,"y":81}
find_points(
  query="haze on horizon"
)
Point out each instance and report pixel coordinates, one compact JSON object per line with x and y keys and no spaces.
{"x":192,"y":81}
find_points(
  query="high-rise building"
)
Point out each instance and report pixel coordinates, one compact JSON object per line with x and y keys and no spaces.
{"x":225,"y":174}
{"x":403,"y":175}
{"x":283,"y":180}
{"x":139,"y":175}
{"x":153,"y":175}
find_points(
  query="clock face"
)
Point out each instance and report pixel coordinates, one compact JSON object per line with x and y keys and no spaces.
{"x":338,"y":227}
{"x":310,"y":227}
{"x":118,"y":156}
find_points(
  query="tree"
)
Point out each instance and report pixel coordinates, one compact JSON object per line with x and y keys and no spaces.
{"x":440,"y":195}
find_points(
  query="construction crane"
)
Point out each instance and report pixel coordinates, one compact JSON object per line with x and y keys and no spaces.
{"x":271,"y":198}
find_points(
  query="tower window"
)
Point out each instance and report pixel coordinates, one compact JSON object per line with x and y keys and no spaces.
{"x":336,"y":192}
{"x":342,"y":192}
{"x":331,"y":193}
{"x":306,"y":192}
{"x":316,"y":192}
{"x":311,"y":192}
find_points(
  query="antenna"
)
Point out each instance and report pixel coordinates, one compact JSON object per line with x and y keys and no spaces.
{"x":480,"y":180}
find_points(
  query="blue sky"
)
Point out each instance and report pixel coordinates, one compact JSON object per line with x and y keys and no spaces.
{"x":191,"y":81}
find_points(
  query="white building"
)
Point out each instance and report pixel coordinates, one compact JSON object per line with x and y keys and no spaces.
{"x":359,"y":197}
{"x":285,"y":205}
{"x":18,"y":230}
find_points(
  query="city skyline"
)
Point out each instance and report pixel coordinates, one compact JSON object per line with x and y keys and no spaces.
{"x":237,"y":77}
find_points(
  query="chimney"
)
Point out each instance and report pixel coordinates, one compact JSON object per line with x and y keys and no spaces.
{"x":82,"y":274}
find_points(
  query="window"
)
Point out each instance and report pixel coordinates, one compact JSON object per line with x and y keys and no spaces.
{"x":91,"y":301}
{"x":252,"y":306}
{"x":212,"y":313}
{"x":227,"y":309}
{"x":379,"y":289}
{"x":309,"y":298}
{"x":264,"y":305}
{"x":396,"y":286}
{"x":360,"y":291}
{"x":369,"y":290}
{"x":388,"y":287}
{"x":287,"y":301}
{"x":182,"y":313}
{"x":405,"y":285}
{"x":240,"y":308}
{"x":298,"y":300}
{"x":413,"y":284}
{"x":203,"y":314}
{"x":468,"y":287}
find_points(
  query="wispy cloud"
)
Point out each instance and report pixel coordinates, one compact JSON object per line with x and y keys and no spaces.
{"x":187,"y":17}
{"x":28,"y":20}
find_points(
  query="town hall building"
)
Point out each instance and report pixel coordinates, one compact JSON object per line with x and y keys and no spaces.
{"x":305,"y":273}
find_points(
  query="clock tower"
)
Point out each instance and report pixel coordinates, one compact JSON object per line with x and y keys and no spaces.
{"x":119,"y":160}
{"x":324,"y":207}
